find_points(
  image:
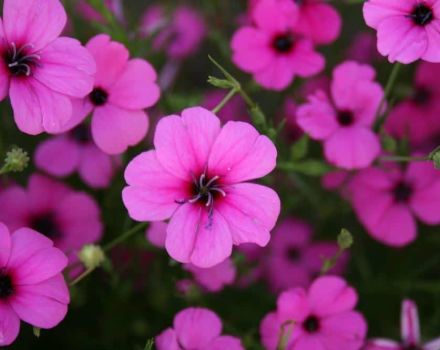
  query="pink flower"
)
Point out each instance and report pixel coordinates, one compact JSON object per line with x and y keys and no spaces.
{"x":196,"y":329}
{"x":271,"y":50}
{"x":89,"y":13}
{"x":410,"y":330}
{"x":320,"y":318}
{"x":293,"y":260}
{"x":70,"y":219}
{"x":406,"y":29}
{"x":197,"y":177}
{"x":213,"y":279}
{"x":363,"y":48}
{"x":75,"y":151}
{"x":32,"y":288}
{"x":41,"y":71}
{"x":179,"y":35}
{"x":156,"y":233}
{"x":123,"y":89}
{"x":344,"y":122}
{"x":235,"y":109}
{"x":388,"y":200}
{"x":417,"y":117}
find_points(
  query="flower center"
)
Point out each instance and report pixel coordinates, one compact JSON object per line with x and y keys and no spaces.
{"x":311,"y":324}
{"x":422,"y":15}
{"x":46,"y":225}
{"x":19,"y":61}
{"x":81,"y":134}
{"x":98,"y":96}
{"x":422,"y":96}
{"x":283,"y":43}
{"x":345,"y":118}
{"x":293,"y":254}
{"x":402,"y":192}
{"x":6,"y":287}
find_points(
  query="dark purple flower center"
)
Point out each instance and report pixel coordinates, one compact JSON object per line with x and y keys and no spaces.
{"x":6,"y":286}
{"x":81,"y":134}
{"x":345,"y":118}
{"x":311,"y":324}
{"x":283,"y":43}
{"x":293,"y":254}
{"x":19,"y":61}
{"x":422,"y":96}
{"x":422,"y":15}
{"x":98,"y":96}
{"x":46,"y":225}
{"x":402,"y":192}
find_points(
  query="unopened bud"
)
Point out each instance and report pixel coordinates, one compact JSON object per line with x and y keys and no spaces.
{"x":435,"y":157}
{"x":16,"y":160}
{"x":92,"y":256}
{"x":345,"y":239}
{"x":220,"y":83}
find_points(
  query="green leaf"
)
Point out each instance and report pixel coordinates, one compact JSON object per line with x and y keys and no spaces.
{"x":300,"y":148}
{"x":311,"y":167}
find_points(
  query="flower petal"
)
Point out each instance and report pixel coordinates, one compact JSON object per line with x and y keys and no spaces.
{"x":5,"y":244}
{"x":409,"y":323}
{"x":9,"y":324}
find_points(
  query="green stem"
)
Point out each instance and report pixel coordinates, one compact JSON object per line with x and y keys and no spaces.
{"x":225,"y":100}
{"x":82,"y":276}
{"x":403,"y":159}
{"x":380,"y":114}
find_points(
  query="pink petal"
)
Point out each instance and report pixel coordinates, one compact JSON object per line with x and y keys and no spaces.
{"x":182,"y":232}
{"x":270,"y":329}
{"x":331,"y":295}
{"x":136,"y":87}
{"x":317,"y":118}
{"x":213,"y":279}
{"x":54,"y":288}
{"x":111,"y":58}
{"x":9,"y":324}
{"x":167,"y":340}
{"x":345,"y":330}
{"x":5,"y":243}
{"x":432,"y":344}
{"x":248,"y":43}
{"x":66,"y":67}
{"x":197,"y":327}
{"x":292,"y":305}
{"x":401,"y":40}
{"x":409,"y":323}
{"x":37,"y":108}
{"x":278,"y":75}
{"x":425,"y":203}
{"x":310,"y":343}
{"x":432,"y":53}
{"x":152,"y":192}
{"x":96,"y":168}
{"x":240,"y":153}
{"x":14,"y":207}
{"x":183,"y":144}
{"x":305,"y":60}
{"x":115,"y":129}
{"x":36,"y":22}
{"x":213,"y":242}
{"x":382,"y":344}
{"x":274,"y":16}
{"x":45,"y":193}
{"x":224,"y":342}
{"x":156,"y":233}
{"x":38,"y":310}
{"x":352,"y":148}
{"x":319,"y":21}
{"x":58,"y":156}
{"x":375,"y":11}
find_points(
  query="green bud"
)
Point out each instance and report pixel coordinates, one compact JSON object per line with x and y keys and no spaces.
{"x":435,"y":157}
{"x":220,"y":83}
{"x":36,"y":331}
{"x":16,"y":160}
{"x":92,"y":256}
{"x":345,"y":239}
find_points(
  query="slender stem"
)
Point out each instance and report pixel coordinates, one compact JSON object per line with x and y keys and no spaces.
{"x":82,"y":276}
{"x":225,"y":100}
{"x":380,"y":114}
{"x":403,"y":159}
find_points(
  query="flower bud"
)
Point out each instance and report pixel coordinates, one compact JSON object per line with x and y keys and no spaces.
{"x":92,"y":256}
{"x":435,"y":157}
{"x":16,"y":160}
{"x":220,"y":83}
{"x":345,"y":239}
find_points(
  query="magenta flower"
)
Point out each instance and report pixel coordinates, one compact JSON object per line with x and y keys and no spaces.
{"x":320,"y":318}
{"x":123,"y":89}
{"x":196,"y":329}
{"x":70,"y":219}
{"x":344,"y":122}
{"x":41,"y":71}
{"x":416,"y":118}
{"x":197,"y":177}
{"x":407,"y":30}
{"x":75,"y":151}
{"x":271,"y":50}
{"x":32,"y":288}
{"x":179,"y":35}
{"x":388,"y":200}
{"x":293,"y":259}
{"x":410,"y":330}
